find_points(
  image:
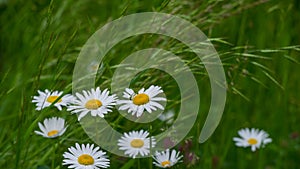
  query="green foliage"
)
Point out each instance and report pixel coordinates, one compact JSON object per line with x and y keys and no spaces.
{"x":258,"y":42}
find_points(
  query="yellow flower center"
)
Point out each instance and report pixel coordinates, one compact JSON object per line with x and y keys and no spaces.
{"x":252,"y":141}
{"x":93,"y":104}
{"x":51,"y":99}
{"x":165,"y":163}
{"x":52,"y":133}
{"x":141,"y":99}
{"x":137,"y":143}
{"x":85,"y":159}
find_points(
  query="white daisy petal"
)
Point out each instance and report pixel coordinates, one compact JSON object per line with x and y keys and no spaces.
{"x":52,"y":127}
{"x":47,"y":98}
{"x":85,"y":157}
{"x":253,"y":138}
{"x":136,"y":143}
{"x":145,"y":99}
{"x":165,"y":160}
{"x":95,"y":101}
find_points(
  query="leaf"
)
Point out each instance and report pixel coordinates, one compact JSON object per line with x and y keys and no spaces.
{"x":291,"y":59}
{"x":252,"y":56}
{"x":269,"y":50}
{"x":240,"y":93}
{"x":273,"y":79}
{"x":261,"y":66}
{"x":128,"y":164}
{"x":220,"y":41}
{"x":296,"y":47}
{"x":258,"y":81}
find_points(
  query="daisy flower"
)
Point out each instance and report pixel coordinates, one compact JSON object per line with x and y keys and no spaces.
{"x":136,"y":142}
{"x":94,"y":101}
{"x":47,"y":98}
{"x":143,"y":100}
{"x":53,"y":127}
{"x":85,"y":157}
{"x":253,"y":138}
{"x":165,"y":160}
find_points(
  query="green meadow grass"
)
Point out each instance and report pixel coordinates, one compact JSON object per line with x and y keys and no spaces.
{"x":258,"y":42}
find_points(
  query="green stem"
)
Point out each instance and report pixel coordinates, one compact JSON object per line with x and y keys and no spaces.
{"x":150,"y":130}
{"x":54,"y":153}
{"x":139,"y":163}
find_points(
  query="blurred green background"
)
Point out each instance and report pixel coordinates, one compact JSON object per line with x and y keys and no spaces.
{"x":258,"y":42}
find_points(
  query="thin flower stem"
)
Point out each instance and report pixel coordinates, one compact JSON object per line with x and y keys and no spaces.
{"x":150,"y":164}
{"x":54,"y":155}
{"x":139,"y":163}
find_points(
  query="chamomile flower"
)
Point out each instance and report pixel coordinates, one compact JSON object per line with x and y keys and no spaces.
{"x":96,"y":101}
{"x":52,"y":127}
{"x":165,"y":160}
{"x":86,"y":157}
{"x":136,"y":104}
{"x":136,"y":142}
{"x":253,"y":138}
{"x":47,"y":98}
